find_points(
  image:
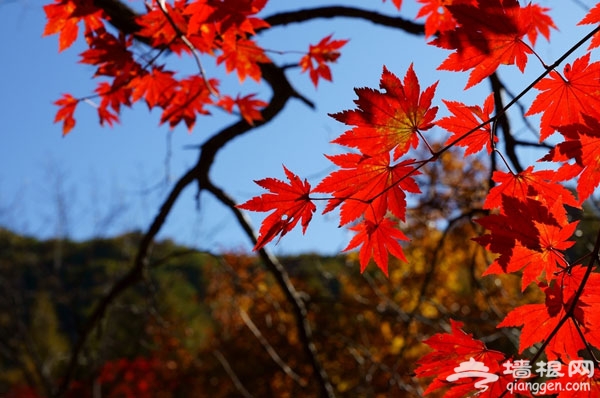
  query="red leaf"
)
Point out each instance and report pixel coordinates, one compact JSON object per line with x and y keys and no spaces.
{"x":582,"y":144}
{"x":592,"y":17}
{"x":378,"y":238}
{"x":189,"y":100}
{"x":464,"y":120}
{"x":156,"y":87}
{"x":243,"y":56}
{"x":397,"y":3}
{"x":450,"y":350}
{"x":527,"y":234}
{"x":489,"y":35}
{"x":111,"y":55}
{"x":226,"y":15}
{"x":290,"y":202}
{"x":388,"y":119}
{"x":366,"y":183}
{"x":64,"y":16}
{"x":439,"y":18}
{"x":539,"y":185}
{"x":322,"y":53}
{"x":539,"y":320}
{"x":67,"y":105}
{"x":159,"y":30}
{"x":563,"y":99}
{"x":248,"y":106}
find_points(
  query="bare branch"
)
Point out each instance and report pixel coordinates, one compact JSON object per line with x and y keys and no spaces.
{"x":270,"y":350}
{"x":298,"y":16}
{"x":236,"y":381}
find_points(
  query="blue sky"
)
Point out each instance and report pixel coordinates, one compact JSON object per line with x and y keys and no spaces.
{"x":109,"y":180}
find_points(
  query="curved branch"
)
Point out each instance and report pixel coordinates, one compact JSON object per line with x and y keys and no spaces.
{"x":283,"y":279}
{"x":510,"y":143}
{"x":286,"y":18}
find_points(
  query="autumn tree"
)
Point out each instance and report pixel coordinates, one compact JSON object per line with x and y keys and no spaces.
{"x":394,"y":134}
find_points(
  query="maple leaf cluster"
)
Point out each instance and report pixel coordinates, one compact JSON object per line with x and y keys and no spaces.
{"x":528,"y":226}
{"x":224,"y":30}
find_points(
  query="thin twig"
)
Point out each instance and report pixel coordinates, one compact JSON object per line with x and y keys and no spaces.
{"x":270,"y":350}
{"x":236,"y":381}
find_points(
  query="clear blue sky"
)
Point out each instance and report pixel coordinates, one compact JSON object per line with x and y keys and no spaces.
{"x":113,"y":179}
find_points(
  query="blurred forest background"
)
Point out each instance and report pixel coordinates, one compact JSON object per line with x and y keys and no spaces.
{"x":218,"y":325}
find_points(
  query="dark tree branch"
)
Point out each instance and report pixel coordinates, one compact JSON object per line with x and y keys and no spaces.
{"x":283,"y":279}
{"x":510,"y":143}
{"x":286,"y":18}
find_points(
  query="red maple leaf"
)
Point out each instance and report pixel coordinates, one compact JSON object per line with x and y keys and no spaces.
{"x":64,"y":16}
{"x":190,"y":98}
{"x":438,"y":17}
{"x":378,"y":240}
{"x":159,"y":29}
{"x":290,"y":202}
{"x":243,"y":56}
{"x":249,"y":106}
{"x":528,"y":235}
{"x":563,"y":99}
{"x":489,"y":35}
{"x":388,"y":119}
{"x":111,"y":55}
{"x":464,"y":120}
{"x":234,"y":16}
{"x":581,"y":145}
{"x":539,"y":185}
{"x":67,"y":105}
{"x":323,"y":52}
{"x":156,"y":87}
{"x":547,"y":260}
{"x":450,"y":350}
{"x":539,"y":320}
{"x":112,"y":96}
{"x":368,"y":183}
{"x":586,"y":310}
{"x":592,"y":17}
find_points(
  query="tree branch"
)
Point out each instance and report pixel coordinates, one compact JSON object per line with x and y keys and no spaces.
{"x":286,"y":18}
{"x":283,"y":279}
